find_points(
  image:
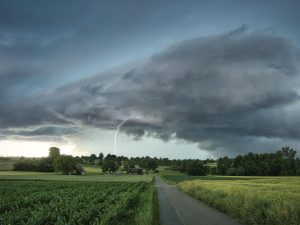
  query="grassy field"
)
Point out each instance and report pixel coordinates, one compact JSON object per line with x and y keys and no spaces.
{"x":6,"y":164}
{"x":92,"y":169}
{"x":254,"y":200}
{"x":56,"y":202}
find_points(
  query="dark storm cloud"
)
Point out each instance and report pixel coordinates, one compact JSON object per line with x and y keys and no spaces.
{"x":223,"y":92}
{"x":45,"y":44}
{"x":44,"y":133}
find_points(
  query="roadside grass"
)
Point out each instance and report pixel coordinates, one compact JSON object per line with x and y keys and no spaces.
{"x":17,"y":175}
{"x":255,"y":201}
{"x":148,"y":210}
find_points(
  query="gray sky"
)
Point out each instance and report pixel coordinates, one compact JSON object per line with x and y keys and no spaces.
{"x":193,"y":78}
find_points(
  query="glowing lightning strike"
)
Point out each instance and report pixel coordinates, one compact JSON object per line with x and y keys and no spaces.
{"x":117,"y":131}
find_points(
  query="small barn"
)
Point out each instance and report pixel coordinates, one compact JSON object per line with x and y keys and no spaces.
{"x":135,"y":171}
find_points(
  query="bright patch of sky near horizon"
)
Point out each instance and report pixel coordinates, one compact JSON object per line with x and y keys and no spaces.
{"x":32,"y":148}
{"x":91,"y":144}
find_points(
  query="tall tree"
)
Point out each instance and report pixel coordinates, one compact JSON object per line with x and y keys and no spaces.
{"x":223,"y":164}
{"x":288,"y":156}
{"x":109,"y":166}
{"x":54,"y":152}
{"x":101,"y":156}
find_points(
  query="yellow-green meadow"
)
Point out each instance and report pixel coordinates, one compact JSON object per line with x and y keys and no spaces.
{"x":257,"y":201}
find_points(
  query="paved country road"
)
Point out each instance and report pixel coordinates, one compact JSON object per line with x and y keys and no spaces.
{"x":177,"y":208}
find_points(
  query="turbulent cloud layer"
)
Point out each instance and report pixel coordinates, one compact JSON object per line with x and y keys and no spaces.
{"x":225,"y":92}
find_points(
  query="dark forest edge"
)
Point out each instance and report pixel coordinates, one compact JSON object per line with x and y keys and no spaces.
{"x":283,"y":162}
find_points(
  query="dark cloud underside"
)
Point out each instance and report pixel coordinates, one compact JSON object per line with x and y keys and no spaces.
{"x":221,"y":91}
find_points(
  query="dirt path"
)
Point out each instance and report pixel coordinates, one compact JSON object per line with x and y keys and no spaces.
{"x":177,"y":208}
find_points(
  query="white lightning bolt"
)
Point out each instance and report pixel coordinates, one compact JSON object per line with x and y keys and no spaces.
{"x":115,"y":136}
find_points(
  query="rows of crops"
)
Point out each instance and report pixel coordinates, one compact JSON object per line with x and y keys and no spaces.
{"x":49,"y":202}
{"x":260,"y":201}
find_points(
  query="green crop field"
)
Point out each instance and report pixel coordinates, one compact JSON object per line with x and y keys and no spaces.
{"x":254,"y":200}
{"x":52,"y":202}
{"x":16,"y":175}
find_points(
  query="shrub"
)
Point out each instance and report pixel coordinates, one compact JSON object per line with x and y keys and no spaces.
{"x":39,"y":165}
{"x":26,"y":165}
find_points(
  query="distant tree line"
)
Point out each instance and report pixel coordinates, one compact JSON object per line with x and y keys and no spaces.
{"x":112,"y":163}
{"x":54,"y":162}
{"x":281,"y":163}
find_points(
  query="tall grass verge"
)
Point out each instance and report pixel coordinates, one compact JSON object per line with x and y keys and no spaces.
{"x":148,"y":209}
{"x":254,"y":202}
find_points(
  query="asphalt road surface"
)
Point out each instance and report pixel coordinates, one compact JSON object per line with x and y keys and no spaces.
{"x":177,"y":208}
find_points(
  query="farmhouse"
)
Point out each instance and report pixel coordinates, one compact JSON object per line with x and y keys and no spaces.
{"x":136,"y":171}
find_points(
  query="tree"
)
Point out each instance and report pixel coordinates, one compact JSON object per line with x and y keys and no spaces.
{"x":288,"y":156}
{"x":110,"y":157}
{"x":237,"y":161}
{"x":240,"y":171}
{"x":196,"y":168}
{"x":92,"y":158}
{"x":264,"y":168}
{"x":110,"y":166}
{"x":126,"y":165}
{"x":250,"y":167}
{"x":45,"y":165}
{"x":297,"y":161}
{"x":148,"y":164}
{"x":231,"y":171}
{"x":54,"y":152}
{"x":213,"y":170}
{"x":101,"y":156}
{"x":65,"y":164}
{"x":223,"y":164}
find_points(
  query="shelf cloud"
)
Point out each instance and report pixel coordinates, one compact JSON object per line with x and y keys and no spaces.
{"x":229,"y":92}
